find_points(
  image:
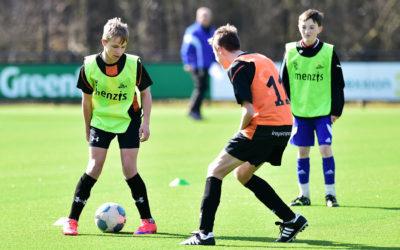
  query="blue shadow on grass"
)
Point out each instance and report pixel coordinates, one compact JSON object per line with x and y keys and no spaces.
{"x":130,"y":234}
{"x":368,"y":207}
{"x":312,"y":243}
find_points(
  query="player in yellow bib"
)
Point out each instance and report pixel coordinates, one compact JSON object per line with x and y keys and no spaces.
{"x":111,"y":82}
{"x":313,"y":79}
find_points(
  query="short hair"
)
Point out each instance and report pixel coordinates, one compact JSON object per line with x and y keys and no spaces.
{"x":314,"y":14}
{"x":226,"y":37}
{"x":115,"y":28}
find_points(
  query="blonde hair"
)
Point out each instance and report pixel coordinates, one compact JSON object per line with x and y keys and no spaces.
{"x":115,"y":28}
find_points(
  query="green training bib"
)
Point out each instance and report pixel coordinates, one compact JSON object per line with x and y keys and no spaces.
{"x":310,"y":81}
{"x":113,"y":95}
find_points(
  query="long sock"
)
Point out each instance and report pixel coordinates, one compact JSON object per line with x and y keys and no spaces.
{"x":139,"y":195}
{"x":209,"y":204}
{"x":266,"y":194}
{"x":303,"y":174}
{"x":328,"y":165}
{"x":82,"y":193}
{"x":304,"y":190}
{"x":330,"y":189}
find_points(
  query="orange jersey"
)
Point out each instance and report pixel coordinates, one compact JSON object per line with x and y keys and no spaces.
{"x":269,"y":99}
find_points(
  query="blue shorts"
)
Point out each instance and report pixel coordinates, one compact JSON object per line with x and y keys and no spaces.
{"x":303,"y":131}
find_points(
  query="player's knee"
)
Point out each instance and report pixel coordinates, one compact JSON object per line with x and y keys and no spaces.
{"x":215,"y":171}
{"x":129,"y":172}
{"x":94,"y":168}
{"x":241,"y":176}
{"x":212,"y":172}
{"x":326,"y":151}
{"x":304,"y":152}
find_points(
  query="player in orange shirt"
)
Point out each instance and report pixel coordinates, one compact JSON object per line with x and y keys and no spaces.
{"x":263,"y":134}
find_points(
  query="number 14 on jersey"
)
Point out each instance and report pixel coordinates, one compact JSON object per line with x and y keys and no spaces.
{"x":279,"y":101}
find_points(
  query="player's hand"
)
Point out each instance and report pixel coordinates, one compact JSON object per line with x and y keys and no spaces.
{"x":334,"y":118}
{"x":188,"y":68}
{"x":144,"y":132}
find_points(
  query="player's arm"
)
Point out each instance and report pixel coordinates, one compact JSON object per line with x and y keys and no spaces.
{"x":285,"y":76}
{"x":188,"y":52}
{"x":337,"y":95}
{"x":247,"y":114}
{"x":87,"y":110}
{"x":143,"y":83}
{"x":241,"y":75}
{"x":144,"y":131}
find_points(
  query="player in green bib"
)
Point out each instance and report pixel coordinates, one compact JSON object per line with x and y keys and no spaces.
{"x":313,"y":80}
{"x":115,"y":97}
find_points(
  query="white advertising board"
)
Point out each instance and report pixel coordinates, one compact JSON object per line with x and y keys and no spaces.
{"x":368,"y":81}
{"x":371,"y":81}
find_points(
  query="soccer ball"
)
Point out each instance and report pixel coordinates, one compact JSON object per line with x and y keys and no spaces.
{"x":110,"y":217}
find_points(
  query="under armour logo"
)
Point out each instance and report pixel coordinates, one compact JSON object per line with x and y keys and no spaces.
{"x":78,"y":200}
{"x":122,"y":86}
{"x":140,"y":200}
{"x":94,"y":138}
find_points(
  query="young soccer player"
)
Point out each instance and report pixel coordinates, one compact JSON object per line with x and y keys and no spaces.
{"x":313,"y":79}
{"x":109,"y":82}
{"x":262,"y":137}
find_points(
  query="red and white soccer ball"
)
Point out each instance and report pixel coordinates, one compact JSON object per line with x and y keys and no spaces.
{"x":110,"y":217}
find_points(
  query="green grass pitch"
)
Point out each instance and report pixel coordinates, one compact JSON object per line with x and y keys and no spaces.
{"x":43,"y":153}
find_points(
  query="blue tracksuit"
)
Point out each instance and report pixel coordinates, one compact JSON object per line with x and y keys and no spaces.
{"x":196,"y":51}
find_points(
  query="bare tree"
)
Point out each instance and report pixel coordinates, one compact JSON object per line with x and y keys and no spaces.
{"x":65,"y":31}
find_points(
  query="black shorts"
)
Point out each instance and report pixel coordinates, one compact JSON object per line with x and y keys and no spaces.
{"x":129,"y":139}
{"x":267,"y":145}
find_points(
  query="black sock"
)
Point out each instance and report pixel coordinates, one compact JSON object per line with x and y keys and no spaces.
{"x":266,"y":194}
{"x":82,"y":193}
{"x":209,"y":204}
{"x":139,"y":194}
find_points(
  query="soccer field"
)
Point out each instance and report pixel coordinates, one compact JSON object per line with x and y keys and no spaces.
{"x":43,"y":153}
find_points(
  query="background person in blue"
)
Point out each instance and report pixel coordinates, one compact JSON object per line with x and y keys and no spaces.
{"x":197,"y":56}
